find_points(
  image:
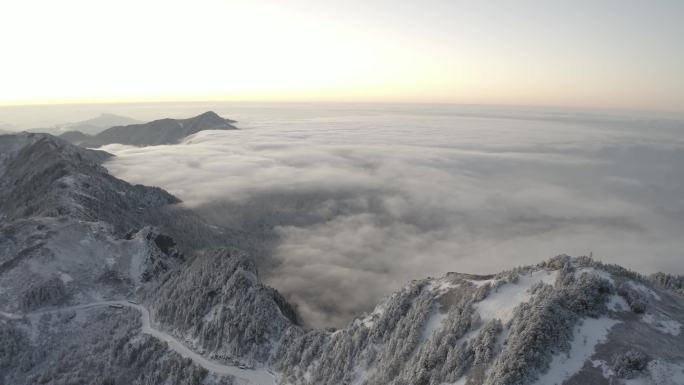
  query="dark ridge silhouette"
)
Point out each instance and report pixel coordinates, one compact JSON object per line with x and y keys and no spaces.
{"x":157,"y":132}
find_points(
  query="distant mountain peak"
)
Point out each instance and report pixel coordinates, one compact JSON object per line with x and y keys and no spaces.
{"x":209,"y":114}
{"x":157,"y":132}
{"x":99,"y":123}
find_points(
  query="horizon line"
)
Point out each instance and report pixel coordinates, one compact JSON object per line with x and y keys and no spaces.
{"x":349,"y":102}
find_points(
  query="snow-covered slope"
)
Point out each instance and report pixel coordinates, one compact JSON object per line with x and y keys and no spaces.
{"x":564,"y":321}
{"x":41,"y":175}
{"x":218,"y":305}
{"x":65,"y":242}
{"x":62,"y":261}
{"x":73,"y":237}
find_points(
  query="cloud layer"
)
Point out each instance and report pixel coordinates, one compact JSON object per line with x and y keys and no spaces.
{"x":355,"y":203}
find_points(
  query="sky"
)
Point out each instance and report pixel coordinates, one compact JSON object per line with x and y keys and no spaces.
{"x":607,"y":54}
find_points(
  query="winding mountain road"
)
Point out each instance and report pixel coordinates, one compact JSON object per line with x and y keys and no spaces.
{"x":244,"y":376}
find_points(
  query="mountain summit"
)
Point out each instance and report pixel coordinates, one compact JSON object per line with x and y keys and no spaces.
{"x":157,"y":132}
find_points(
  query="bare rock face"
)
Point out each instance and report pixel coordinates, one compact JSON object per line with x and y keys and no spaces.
{"x":163,"y":131}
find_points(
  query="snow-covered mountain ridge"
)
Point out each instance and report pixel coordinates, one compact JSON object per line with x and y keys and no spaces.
{"x":72,"y":235}
{"x":97,"y":239}
{"x":44,"y":176}
{"x":564,"y":321}
{"x":547,"y":324}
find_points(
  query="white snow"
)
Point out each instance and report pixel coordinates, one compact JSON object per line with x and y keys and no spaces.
{"x":369,"y":320}
{"x":68,"y":180}
{"x":80,"y":252}
{"x":66,"y":278}
{"x":663,"y":323}
{"x":362,"y":375}
{"x":438,"y":287}
{"x":257,"y":376}
{"x":605,"y":368}
{"x":137,"y":262}
{"x":434,"y":323}
{"x":211,"y":314}
{"x":442,"y":285}
{"x":9,"y":315}
{"x":617,"y":303}
{"x":664,"y":373}
{"x":503,"y":300}
{"x":460,"y":381}
{"x":597,"y":272}
{"x":660,"y":373}
{"x":587,"y":335}
{"x":481,"y":282}
{"x":643,"y":289}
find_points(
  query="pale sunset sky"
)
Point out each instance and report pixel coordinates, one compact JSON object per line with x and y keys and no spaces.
{"x":579,"y":53}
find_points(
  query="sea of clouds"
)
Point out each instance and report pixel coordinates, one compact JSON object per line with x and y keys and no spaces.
{"x":355,"y":201}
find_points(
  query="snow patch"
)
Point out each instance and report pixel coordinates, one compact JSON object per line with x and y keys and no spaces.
{"x":481,"y":282}
{"x":501,"y":302}
{"x":617,"y":303}
{"x":369,"y":320}
{"x":360,"y":375}
{"x":211,"y":315}
{"x":66,"y":278}
{"x":460,"y":381}
{"x":69,"y":180}
{"x":598,"y":273}
{"x":640,"y":287}
{"x":441,"y":286}
{"x":137,"y":262}
{"x":664,"y":373}
{"x":660,"y":373}
{"x":605,"y":368}
{"x":587,"y":335}
{"x":434,"y":323}
{"x":663,"y":323}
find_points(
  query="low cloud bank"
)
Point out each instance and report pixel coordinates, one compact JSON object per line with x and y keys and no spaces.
{"x":353,"y":206}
